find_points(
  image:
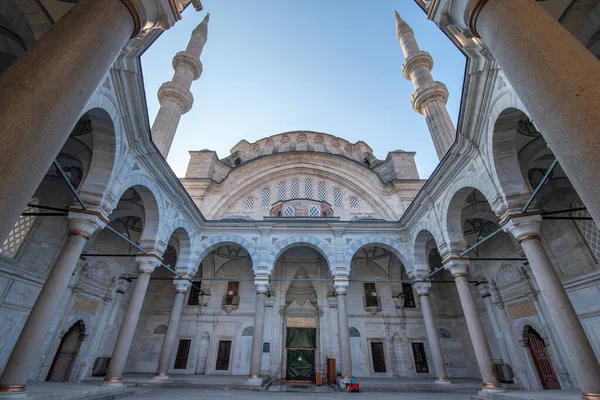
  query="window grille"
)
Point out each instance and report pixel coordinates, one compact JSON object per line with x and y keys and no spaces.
{"x":421,"y":366}
{"x":334,"y":150}
{"x":295,"y":188}
{"x":266,"y":198}
{"x":409,"y":296}
{"x":308,"y":190}
{"x":281,"y":191}
{"x":302,"y":146}
{"x":289,"y":212}
{"x":322,"y":191}
{"x":588,"y":229}
{"x":223,"y":353}
{"x":19,"y":232}
{"x":371,"y":295}
{"x":337,"y":198}
{"x":249,"y":203}
{"x":285,"y":147}
{"x":320,"y":147}
{"x":183,"y":351}
{"x":353,"y":203}
{"x":194,"y":299}
{"x":378,"y":356}
{"x":268,"y":150}
{"x":314,"y":212}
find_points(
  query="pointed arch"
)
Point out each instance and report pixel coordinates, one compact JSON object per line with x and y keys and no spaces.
{"x":281,"y":246}
{"x":387,"y":243}
{"x":208,"y":244}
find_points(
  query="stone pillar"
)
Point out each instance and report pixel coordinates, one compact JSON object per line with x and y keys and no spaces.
{"x":459,"y":267}
{"x":565,"y":321}
{"x":486,"y":295}
{"x":26,"y":351}
{"x":181,"y":287}
{"x":146,"y":265}
{"x":530,"y":46}
{"x":203,"y":354}
{"x":45,"y":92}
{"x":422,"y":288}
{"x":262,"y":287}
{"x":341,"y":287}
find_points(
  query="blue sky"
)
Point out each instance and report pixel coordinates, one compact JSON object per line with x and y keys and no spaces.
{"x":333,"y":66}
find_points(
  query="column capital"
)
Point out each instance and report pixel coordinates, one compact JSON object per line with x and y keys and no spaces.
{"x":85,"y":222}
{"x":155,"y":14}
{"x":261,"y":281}
{"x":182,"y":284}
{"x":523,"y":226}
{"x":148,"y":262}
{"x":458,"y":266}
{"x":340,"y":283}
{"x":484,"y":288}
{"x":421,"y":286}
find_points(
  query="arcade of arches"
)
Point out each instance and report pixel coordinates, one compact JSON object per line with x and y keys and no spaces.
{"x":300,"y":253}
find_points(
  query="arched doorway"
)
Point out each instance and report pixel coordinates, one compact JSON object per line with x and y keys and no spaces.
{"x":541,"y":359}
{"x":67,"y":353}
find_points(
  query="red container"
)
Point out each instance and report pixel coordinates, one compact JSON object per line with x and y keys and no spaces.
{"x":354,"y":387}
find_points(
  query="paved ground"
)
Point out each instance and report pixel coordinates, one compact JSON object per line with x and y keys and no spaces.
{"x":189,"y":394}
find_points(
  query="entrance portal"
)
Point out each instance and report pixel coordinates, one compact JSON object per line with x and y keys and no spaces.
{"x":67,"y":353}
{"x":301,"y":344}
{"x":541,"y":359}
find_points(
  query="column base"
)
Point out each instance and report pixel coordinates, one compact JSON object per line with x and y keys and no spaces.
{"x":13,"y":392}
{"x":590,"y":396}
{"x":492,"y":388}
{"x":160,"y":377}
{"x":112,"y":381}
{"x":442,"y":381}
{"x":254,"y":380}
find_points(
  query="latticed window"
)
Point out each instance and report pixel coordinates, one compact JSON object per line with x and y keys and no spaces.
{"x":308,"y":190}
{"x":295,"y":187}
{"x":588,"y":229}
{"x":249,"y":203}
{"x":409,"y":296}
{"x":353,"y":202}
{"x":281,"y":191}
{"x":314,"y":212}
{"x":337,"y":198}
{"x":285,"y":147}
{"x":268,"y":150}
{"x":194,"y":299}
{"x":334,"y":150}
{"x":289,"y":212}
{"x":223,"y":354}
{"x":378,"y":356}
{"x":322,"y":191}
{"x":19,"y":232}
{"x":421,"y":366}
{"x":183,"y":351}
{"x":266,"y":198}
{"x":320,"y":147}
{"x":302,"y":146}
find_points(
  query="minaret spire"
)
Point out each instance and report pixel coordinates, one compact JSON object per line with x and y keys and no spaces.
{"x":430,"y":96}
{"x":174,"y":96}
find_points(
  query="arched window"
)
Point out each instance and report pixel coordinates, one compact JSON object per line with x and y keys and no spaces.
{"x":353,"y":201}
{"x":266,"y":198}
{"x":334,"y":150}
{"x":314,"y":212}
{"x":444,"y":334}
{"x":322,"y":191}
{"x":302,"y":146}
{"x":268,"y":150}
{"x":285,"y":147}
{"x":281,"y":191}
{"x":289,"y":211}
{"x":320,"y":147}
{"x":308,"y":191}
{"x":249,"y":203}
{"x":337,"y":198}
{"x":295,"y":187}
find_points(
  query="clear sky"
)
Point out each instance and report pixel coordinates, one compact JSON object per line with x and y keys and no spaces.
{"x":332,"y":66}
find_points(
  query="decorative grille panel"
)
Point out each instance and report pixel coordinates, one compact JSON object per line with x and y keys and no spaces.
{"x":285,"y":147}
{"x":322,"y":191}
{"x":378,"y":355}
{"x":308,"y":189}
{"x":249,"y":203}
{"x":302,"y":146}
{"x":353,"y":203}
{"x":19,"y":232}
{"x":223,"y":353}
{"x":409,"y":296}
{"x":266,"y":198}
{"x":314,"y":212}
{"x":420,"y":358}
{"x":281,"y":191}
{"x":320,"y":147}
{"x":194,"y":299}
{"x":183,"y":351}
{"x":334,"y":150}
{"x":588,"y":229}
{"x":295,"y":188}
{"x":268,"y":150}
{"x":289,"y":212}
{"x":337,"y":198}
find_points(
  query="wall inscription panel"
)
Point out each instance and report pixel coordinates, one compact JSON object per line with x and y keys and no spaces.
{"x":86,"y":305}
{"x":522,"y":310}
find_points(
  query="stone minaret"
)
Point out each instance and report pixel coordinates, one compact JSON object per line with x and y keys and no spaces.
{"x":430,"y":96}
{"x":175,"y":97}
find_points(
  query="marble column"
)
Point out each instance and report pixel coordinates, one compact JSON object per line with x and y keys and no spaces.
{"x":341,"y":287}
{"x":262,"y":287}
{"x":486,"y":295}
{"x":542,"y":60}
{"x":435,"y":346}
{"x":565,"y":321}
{"x":146,"y":265}
{"x":25,"y":353}
{"x":181,"y":287}
{"x":459,"y":269}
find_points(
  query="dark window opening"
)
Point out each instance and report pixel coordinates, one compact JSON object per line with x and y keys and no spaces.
{"x":378,"y":356}
{"x":231,"y":296}
{"x":183,"y":351}
{"x":237,"y":161}
{"x":194,"y":299}
{"x":371,"y":295}
{"x":223,"y":353}
{"x":409,"y":296}
{"x":421,"y":366}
